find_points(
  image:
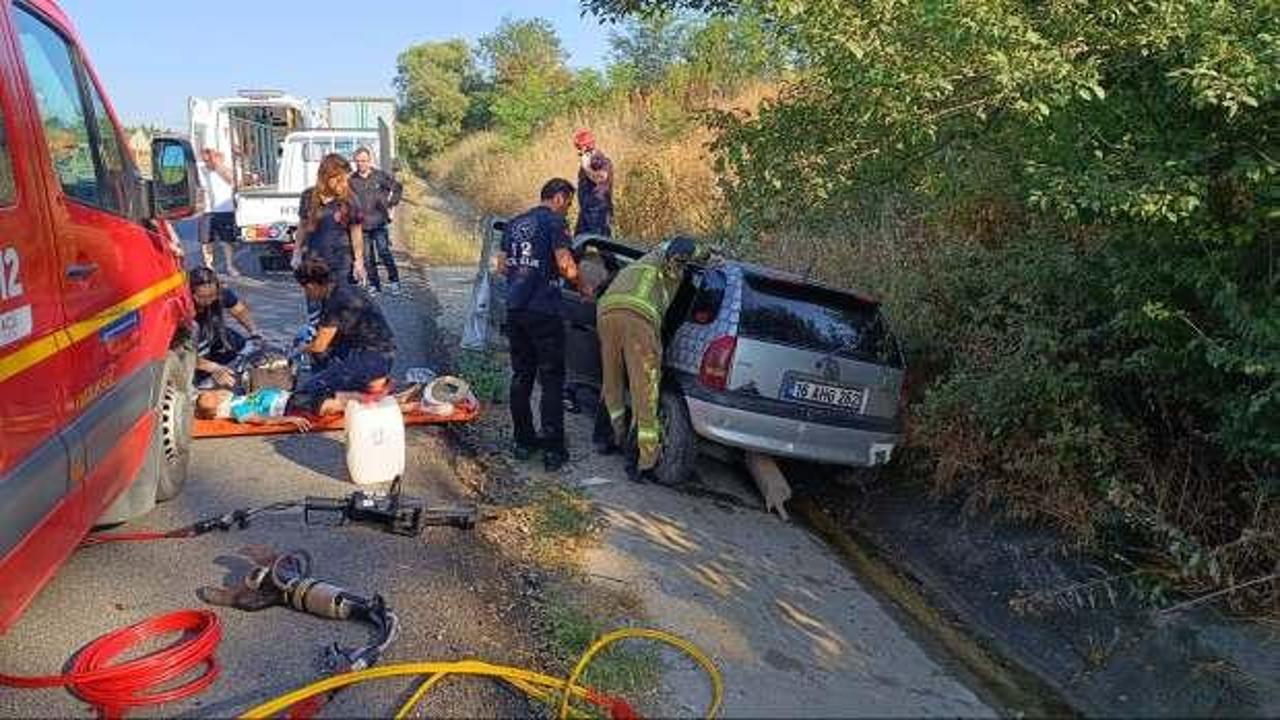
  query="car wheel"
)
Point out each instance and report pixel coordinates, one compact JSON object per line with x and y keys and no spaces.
{"x":174,"y":415}
{"x":679,"y":443}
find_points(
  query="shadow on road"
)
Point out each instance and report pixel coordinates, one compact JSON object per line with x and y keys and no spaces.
{"x":323,"y":454}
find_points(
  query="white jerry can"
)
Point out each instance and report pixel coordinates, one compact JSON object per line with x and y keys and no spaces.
{"x":375,"y":441}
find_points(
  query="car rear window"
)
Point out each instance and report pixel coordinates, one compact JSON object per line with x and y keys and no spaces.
{"x":709,"y":297}
{"x":812,"y":318}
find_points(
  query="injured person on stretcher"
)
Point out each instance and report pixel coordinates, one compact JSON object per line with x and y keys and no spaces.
{"x":274,"y":406}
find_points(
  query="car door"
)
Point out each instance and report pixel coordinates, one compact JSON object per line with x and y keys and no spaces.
{"x":36,"y":510}
{"x":582,"y":342}
{"x":109,"y":273}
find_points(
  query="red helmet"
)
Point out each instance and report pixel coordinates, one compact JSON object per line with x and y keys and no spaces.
{"x":583,"y":138}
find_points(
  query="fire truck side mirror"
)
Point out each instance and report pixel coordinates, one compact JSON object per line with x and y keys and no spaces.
{"x":175,"y":183}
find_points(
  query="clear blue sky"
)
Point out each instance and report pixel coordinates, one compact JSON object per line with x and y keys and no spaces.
{"x":152,"y":55}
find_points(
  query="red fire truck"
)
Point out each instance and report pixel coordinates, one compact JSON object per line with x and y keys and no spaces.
{"x":95,"y":318}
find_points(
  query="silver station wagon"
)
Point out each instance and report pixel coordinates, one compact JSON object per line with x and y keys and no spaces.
{"x":758,"y":360}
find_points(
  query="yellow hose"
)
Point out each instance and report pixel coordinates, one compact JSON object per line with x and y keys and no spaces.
{"x":533,"y":684}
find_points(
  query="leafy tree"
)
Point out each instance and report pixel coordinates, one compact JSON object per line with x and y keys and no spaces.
{"x":590,"y":89}
{"x":649,"y":47}
{"x":726,"y":52}
{"x":432,"y":80}
{"x":619,"y":9}
{"x":518,"y":51}
{"x":1118,"y":330}
{"x":526,"y":65}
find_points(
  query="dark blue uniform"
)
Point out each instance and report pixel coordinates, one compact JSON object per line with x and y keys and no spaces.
{"x":214,"y":340}
{"x":363,"y":349}
{"x":595,"y":199}
{"x":534,"y":327}
{"x":329,"y":238}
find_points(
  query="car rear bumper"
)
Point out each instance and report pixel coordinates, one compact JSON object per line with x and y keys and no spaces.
{"x":788,"y":437}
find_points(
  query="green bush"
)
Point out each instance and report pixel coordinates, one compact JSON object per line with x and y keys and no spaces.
{"x":1098,"y":181}
{"x":489,"y":378}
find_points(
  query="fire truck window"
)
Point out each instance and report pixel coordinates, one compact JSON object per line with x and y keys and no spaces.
{"x":89,"y":173}
{"x":7,"y":194}
{"x":113,"y":191}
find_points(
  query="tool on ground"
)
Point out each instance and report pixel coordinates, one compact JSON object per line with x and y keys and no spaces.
{"x":285,"y":579}
{"x":236,"y":519}
{"x":397,"y":513}
{"x":550,"y":690}
{"x":391,"y":510}
{"x":115,"y":687}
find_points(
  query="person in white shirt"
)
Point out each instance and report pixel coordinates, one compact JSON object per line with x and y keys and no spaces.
{"x":218,"y":223}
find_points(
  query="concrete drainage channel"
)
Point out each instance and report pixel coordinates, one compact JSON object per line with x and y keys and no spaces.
{"x":1013,"y":690}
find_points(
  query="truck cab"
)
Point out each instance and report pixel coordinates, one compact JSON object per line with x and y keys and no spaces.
{"x":271,"y":214}
{"x":95,"y":317}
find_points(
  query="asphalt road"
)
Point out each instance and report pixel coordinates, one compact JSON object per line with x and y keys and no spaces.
{"x":448,"y":587}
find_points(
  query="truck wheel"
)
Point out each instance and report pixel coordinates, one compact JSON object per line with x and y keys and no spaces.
{"x":173,"y":428}
{"x":679,"y":443}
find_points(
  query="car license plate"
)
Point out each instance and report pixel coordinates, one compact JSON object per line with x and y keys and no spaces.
{"x":823,"y":394}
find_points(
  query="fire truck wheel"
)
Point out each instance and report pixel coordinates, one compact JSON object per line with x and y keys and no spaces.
{"x":173,"y":429}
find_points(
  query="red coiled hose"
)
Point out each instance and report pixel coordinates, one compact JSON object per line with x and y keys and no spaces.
{"x":147,"y":680}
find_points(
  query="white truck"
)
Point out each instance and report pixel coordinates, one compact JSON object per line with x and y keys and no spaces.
{"x":271,"y":213}
{"x":270,"y":184}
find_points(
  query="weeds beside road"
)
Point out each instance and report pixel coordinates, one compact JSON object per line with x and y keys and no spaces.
{"x":439,"y":232}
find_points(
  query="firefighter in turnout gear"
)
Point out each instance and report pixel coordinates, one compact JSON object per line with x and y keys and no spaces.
{"x":629,"y":319}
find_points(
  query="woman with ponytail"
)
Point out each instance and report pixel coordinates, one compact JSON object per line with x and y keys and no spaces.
{"x":329,"y":223}
{"x":217,"y":344}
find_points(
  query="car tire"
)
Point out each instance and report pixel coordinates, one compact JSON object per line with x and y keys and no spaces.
{"x":174,"y":415}
{"x":679,"y":443}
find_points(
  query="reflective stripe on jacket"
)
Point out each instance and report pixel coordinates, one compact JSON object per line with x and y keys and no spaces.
{"x":644,"y":287}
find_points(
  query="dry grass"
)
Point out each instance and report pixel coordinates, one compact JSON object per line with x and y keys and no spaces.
{"x":437,"y":232}
{"x":666,"y":181}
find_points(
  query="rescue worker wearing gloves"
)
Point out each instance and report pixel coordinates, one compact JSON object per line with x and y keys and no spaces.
{"x":629,"y":319}
{"x":352,"y":345}
{"x":595,"y":186}
{"x":535,"y":251}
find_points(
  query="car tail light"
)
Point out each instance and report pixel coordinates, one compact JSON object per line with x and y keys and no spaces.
{"x":716,"y":361}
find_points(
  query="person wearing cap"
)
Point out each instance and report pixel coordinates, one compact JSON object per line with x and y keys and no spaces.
{"x":629,"y":321}
{"x":595,"y":186}
{"x":534,"y":255}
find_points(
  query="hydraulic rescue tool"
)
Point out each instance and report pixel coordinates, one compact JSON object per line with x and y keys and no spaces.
{"x":285,"y":579}
{"x":396,"y":513}
{"x":392,"y":511}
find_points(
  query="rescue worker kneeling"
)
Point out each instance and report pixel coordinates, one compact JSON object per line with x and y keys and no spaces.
{"x":629,"y":320}
{"x":352,"y":349}
{"x":535,"y":251}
